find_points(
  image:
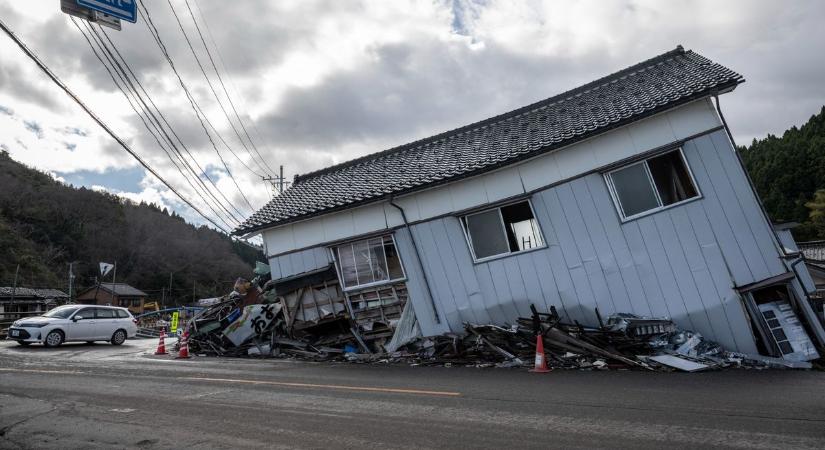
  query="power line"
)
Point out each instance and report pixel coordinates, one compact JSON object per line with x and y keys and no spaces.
{"x":209,"y":82}
{"x":198,"y":112}
{"x":100,"y":122}
{"x":220,"y":79}
{"x":186,"y":149}
{"x":141,"y":116}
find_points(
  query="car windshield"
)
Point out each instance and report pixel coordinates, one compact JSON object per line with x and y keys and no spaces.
{"x":62,"y":312}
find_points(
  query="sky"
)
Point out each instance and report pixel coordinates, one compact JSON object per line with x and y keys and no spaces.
{"x":315,"y":83}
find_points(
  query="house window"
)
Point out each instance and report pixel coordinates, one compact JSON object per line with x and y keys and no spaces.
{"x":369,"y":262}
{"x":653,"y":184}
{"x":501,"y":231}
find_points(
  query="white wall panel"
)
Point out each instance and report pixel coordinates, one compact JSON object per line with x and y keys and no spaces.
{"x":336,"y":226}
{"x":369,"y":218}
{"x":468,"y":193}
{"x":434,"y":202}
{"x":651,"y":133}
{"x":698,"y":115}
{"x":502,"y":184}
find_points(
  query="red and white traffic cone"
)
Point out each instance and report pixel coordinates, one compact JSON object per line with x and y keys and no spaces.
{"x":183,"y":353}
{"x":161,"y":345}
{"x":541,"y":360}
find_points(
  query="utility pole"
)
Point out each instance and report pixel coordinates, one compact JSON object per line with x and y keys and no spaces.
{"x":14,"y":286}
{"x":114,"y":284}
{"x":278,"y":183}
{"x":71,"y":280}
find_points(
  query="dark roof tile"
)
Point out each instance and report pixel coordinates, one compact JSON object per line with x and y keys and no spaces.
{"x":663,"y":82}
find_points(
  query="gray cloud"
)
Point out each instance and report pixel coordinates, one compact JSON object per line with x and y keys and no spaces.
{"x":34,"y":127}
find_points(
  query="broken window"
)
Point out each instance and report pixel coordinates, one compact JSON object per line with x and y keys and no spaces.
{"x":652,"y":184}
{"x":500,"y":231}
{"x":369,"y":262}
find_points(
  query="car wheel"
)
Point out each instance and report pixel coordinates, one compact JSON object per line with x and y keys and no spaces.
{"x":24,"y":343}
{"x":53,"y":339}
{"x":119,"y":337}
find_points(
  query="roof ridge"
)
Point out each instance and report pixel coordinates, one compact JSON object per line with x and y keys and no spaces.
{"x":679,"y":50}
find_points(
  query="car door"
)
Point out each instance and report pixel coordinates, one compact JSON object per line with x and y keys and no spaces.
{"x":106,"y":323}
{"x":82,"y":325}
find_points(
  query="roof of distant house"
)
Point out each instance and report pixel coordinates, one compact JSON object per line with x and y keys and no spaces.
{"x":122,"y":290}
{"x":22,"y":292}
{"x":660,"y":83}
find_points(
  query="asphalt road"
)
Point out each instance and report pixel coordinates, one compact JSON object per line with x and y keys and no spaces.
{"x":100,"y":396}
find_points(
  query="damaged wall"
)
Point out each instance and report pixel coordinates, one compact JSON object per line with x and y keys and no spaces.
{"x":682,"y":262}
{"x":299,"y":262}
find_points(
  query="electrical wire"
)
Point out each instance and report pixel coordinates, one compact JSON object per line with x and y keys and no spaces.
{"x":209,"y":83}
{"x":42,"y":66}
{"x":165,"y":121}
{"x":223,"y":86}
{"x":198,"y":111}
{"x":143,"y":119}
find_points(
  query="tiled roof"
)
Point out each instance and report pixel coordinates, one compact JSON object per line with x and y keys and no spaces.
{"x":22,"y":292}
{"x":813,"y":250}
{"x":660,"y":83}
{"x":122,"y":289}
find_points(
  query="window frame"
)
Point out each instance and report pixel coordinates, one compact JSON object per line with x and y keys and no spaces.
{"x":469,"y":239}
{"x":608,"y":178}
{"x":336,"y":255}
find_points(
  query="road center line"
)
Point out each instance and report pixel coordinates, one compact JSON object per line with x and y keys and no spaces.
{"x":64,"y":372}
{"x":328,"y":386}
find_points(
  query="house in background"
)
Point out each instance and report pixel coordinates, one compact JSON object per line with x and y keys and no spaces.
{"x":119,"y":294}
{"x":28,"y":301}
{"x":625,"y":194}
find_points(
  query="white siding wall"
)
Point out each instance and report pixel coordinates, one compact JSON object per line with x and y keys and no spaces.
{"x":681,"y":263}
{"x":536,"y":173}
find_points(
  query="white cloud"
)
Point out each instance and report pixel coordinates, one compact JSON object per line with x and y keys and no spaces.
{"x":329,"y":81}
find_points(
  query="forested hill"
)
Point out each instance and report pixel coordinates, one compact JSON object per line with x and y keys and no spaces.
{"x":45,"y":224}
{"x":789,"y":174}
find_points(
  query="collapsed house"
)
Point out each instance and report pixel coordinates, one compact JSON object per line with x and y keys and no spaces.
{"x":625,"y":195}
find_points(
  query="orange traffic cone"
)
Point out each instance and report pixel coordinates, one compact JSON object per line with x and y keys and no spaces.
{"x":161,"y":345}
{"x":183,"y":353}
{"x":541,"y":361}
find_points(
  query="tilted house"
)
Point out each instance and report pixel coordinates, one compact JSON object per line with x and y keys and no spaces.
{"x":625,"y":194}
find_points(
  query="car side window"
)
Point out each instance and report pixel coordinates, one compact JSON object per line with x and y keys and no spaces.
{"x":85,"y":314}
{"x":104,"y":313}
{"x":122,"y":314}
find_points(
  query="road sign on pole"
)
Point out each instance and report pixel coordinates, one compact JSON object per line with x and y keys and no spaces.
{"x":71,"y":8}
{"x":122,"y":9}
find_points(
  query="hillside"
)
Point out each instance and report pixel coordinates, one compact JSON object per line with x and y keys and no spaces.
{"x":787,"y":171}
{"x":45,"y":224}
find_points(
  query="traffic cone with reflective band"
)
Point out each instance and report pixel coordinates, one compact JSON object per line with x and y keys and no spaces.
{"x":183,"y":353}
{"x":161,"y":345}
{"x":541,"y":361}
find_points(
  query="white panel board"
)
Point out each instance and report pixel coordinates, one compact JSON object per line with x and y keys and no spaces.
{"x":279,"y":240}
{"x":338,"y":226}
{"x":369,"y":218}
{"x":468,"y":193}
{"x":435,"y":202}
{"x":502,"y":184}
{"x":650,"y":133}
{"x":693,"y":118}
{"x":308,"y":232}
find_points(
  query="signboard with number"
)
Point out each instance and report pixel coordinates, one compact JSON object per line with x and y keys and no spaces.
{"x":122,"y":9}
{"x":175,"y":316}
{"x":71,"y":8}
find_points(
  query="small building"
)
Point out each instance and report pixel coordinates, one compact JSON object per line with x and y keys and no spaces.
{"x":118,"y":294}
{"x":625,"y":194}
{"x":22,"y":302}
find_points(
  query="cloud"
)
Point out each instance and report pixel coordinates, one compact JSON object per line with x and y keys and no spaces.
{"x":319,"y":82}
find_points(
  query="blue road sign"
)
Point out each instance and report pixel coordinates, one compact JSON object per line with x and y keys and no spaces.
{"x":122,"y":9}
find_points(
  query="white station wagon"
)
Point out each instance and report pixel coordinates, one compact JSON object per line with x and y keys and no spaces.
{"x":73,"y":323}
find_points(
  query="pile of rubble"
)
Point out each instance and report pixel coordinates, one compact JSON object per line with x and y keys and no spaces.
{"x":310,"y":318}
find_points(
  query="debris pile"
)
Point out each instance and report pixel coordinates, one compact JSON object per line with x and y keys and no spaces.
{"x":309,"y":317}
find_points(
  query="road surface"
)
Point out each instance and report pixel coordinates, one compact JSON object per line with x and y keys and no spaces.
{"x":101,"y":396}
